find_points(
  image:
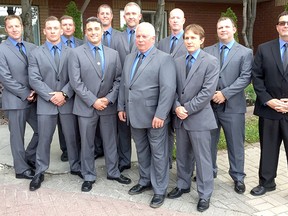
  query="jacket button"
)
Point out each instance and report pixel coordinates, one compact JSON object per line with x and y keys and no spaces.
{"x":129,"y":88}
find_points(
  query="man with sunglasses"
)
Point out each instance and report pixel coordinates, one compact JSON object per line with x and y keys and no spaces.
{"x":270,"y":80}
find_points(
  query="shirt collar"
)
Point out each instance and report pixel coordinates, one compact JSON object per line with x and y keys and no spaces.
{"x":14,"y":42}
{"x":64,"y":39}
{"x":178,"y":36}
{"x":50,"y":45}
{"x":281,"y":43}
{"x":195,"y":54}
{"x":129,"y":29}
{"x":91,"y":46}
{"x":229,"y":45}
{"x":109,"y":30}
{"x":147,"y":52}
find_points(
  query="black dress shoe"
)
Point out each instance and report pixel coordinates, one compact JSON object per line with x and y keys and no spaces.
{"x":27,"y":174}
{"x":64,"y":156}
{"x":87,"y":186}
{"x":98,"y":155}
{"x":36,"y":182}
{"x":177,"y":192}
{"x":78,"y":173}
{"x":260,"y":190}
{"x":121,"y":179}
{"x":122,"y":168}
{"x":157,"y":201}
{"x":239,"y":187}
{"x":32,"y":164}
{"x":203,"y":205}
{"x":138,"y":189}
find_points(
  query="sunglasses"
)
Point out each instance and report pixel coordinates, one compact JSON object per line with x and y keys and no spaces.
{"x":282,"y":23}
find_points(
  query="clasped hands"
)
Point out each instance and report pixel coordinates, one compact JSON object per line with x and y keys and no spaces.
{"x":280,"y":105}
{"x":101,"y":103}
{"x":32,"y":97}
{"x":57,"y":99}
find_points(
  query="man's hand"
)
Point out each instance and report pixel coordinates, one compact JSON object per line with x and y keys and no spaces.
{"x":122,"y":116}
{"x":100,"y":104}
{"x":58,"y":98}
{"x":32,"y":96}
{"x":181,"y":112}
{"x":276,"y":104}
{"x":283,"y":107}
{"x":218,"y":97}
{"x":157,"y":122}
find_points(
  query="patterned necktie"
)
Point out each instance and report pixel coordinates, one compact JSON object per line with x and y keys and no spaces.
{"x":222,"y":55}
{"x":56,"y":57}
{"x":140,"y":57}
{"x":105,"y":39}
{"x":285,"y":57}
{"x":131,"y":40}
{"x":173,"y":44}
{"x":20,"y":46}
{"x":98,"y":59}
{"x":69,"y":43}
{"x":188,"y":64}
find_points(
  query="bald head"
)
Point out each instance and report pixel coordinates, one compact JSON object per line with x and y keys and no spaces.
{"x":176,"y":21}
{"x":145,"y":36}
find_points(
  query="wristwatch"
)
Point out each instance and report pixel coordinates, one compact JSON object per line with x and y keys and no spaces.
{"x":65,"y":95}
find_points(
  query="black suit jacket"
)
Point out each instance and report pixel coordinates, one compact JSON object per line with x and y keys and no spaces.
{"x":269,"y":79}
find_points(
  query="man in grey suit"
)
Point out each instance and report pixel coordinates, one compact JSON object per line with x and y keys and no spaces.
{"x":95,"y":73}
{"x":197,"y":77}
{"x":126,"y":45}
{"x":146,"y":96}
{"x":48,"y":75}
{"x":110,"y":38}
{"x":18,"y":97}
{"x":68,"y":28}
{"x":228,"y":102}
{"x":174,"y":45}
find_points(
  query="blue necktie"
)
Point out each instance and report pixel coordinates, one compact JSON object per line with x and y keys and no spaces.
{"x":285,"y":56}
{"x":189,"y":64}
{"x":140,"y":57}
{"x":222,"y":55}
{"x":173,"y":44}
{"x":56,"y":57}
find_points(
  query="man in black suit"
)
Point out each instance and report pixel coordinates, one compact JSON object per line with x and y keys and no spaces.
{"x":270,"y":80}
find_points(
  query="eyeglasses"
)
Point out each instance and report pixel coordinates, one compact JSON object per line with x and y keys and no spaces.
{"x":282,"y":23}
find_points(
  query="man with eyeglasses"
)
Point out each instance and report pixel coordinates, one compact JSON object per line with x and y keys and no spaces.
{"x":270,"y":81}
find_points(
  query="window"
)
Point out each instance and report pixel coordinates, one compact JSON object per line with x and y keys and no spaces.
{"x":16,"y":9}
{"x":148,"y":16}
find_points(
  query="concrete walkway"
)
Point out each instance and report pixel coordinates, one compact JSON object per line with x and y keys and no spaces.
{"x":60,"y":193}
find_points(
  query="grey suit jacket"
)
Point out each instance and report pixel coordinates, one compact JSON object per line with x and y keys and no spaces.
{"x":78,"y":42}
{"x":151,"y":91}
{"x":88,"y":83}
{"x":179,"y":49}
{"x":44,"y":78}
{"x":234,"y":75}
{"x":115,"y":38}
{"x":123,"y":46}
{"x":14,"y":76}
{"x":195,"y":92}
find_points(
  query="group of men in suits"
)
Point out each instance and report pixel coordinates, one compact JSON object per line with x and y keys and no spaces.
{"x":155,"y":89}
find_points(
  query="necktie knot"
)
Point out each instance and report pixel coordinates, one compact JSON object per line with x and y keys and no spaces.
{"x":132,"y":31}
{"x":106,"y":33}
{"x":69,"y":43}
{"x":20,"y":45}
{"x":96,"y":48}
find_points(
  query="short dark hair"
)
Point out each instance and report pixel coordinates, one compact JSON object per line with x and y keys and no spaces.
{"x":66,"y":17}
{"x":94,"y":19}
{"x":226,"y":18}
{"x":104,"y":6}
{"x":284,"y":13}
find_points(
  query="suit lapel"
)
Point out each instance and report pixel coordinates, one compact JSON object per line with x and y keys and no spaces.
{"x":16,"y":51}
{"x":125,"y":41}
{"x":177,"y":47}
{"x":194,"y":68}
{"x":230,"y":55}
{"x":62,"y":57}
{"x":46,"y":52}
{"x":277,"y":57}
{"x":91,"y":58}
{"x":145,"y":62}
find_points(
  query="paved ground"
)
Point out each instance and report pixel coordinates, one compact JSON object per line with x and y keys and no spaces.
{"x":60,"y":193}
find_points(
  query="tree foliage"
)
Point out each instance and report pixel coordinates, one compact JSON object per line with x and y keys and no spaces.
{"x":230,"y":13}
{"x":72,"y":10}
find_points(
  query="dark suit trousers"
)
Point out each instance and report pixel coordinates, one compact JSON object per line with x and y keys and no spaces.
{"x":153,"y":159}
{"x":272,"y":133}
{"x":124,"y":144}
{"x":17,"y":124}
